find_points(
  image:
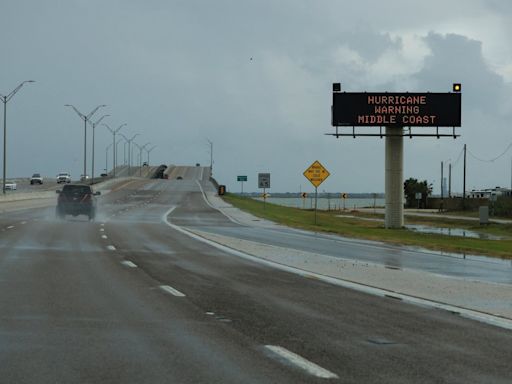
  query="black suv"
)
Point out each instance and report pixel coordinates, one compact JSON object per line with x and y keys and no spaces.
{"x":76,"y":199}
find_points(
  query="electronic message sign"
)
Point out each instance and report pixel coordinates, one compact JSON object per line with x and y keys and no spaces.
{"x":396,"y":109}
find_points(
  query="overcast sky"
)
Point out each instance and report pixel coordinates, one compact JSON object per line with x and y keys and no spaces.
{"x":255,"y":78}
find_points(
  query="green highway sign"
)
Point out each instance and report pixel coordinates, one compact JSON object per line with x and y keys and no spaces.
{"x":241,"y":178}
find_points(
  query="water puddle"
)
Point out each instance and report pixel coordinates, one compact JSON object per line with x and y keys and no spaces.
{"x":452,"y":232}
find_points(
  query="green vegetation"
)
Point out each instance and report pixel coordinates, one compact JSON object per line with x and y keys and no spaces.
{"x":359,"y":227}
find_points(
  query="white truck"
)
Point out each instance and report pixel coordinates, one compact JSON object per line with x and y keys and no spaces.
{"x":36,"y":179}
{"x":63,"y":177}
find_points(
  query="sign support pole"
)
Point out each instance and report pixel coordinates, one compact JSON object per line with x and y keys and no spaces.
{"x":394,"y":217}
{"x":316,"y":201}
{"x":264,"y":198}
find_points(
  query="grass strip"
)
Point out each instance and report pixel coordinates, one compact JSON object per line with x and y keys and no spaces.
{"x":372,"y":230}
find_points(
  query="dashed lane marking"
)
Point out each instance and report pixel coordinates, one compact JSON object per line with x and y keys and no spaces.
{"x":104,"y":237}
{"x":23,"y":223}
{"x":172,"y":291}
{"x":111,"y":248}
{"x":10,"y":227}
{"x":102,"y":230}
{"x":302,"y":363}
{"x":128,"y":263}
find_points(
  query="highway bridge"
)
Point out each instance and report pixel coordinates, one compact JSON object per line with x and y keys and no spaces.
{"x":171,"y":285}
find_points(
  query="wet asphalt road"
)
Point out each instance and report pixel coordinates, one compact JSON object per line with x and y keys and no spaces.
{"x":82,"y":302}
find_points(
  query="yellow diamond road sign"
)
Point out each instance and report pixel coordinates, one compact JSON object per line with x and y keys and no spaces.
{"x":316,"y":173}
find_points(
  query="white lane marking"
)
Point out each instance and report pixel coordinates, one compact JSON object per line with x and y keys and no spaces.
{"x":128,"y":263}
{"x":211,"y":206}
{"x":302,"y":363}
{"x":102,"y":224}
{"x":172,"y":291}
{"x":104,"y":237}
{"x":497,"y":321}
{"x":10,"y":227}
{"x":111,"y":248}
{"x":102,"y":230}
{"x":23,"y":223}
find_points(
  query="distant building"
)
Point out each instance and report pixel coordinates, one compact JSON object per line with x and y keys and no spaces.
{"x":489,"y":193}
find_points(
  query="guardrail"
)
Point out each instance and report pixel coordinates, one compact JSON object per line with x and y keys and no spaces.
{"x":17,"y":196}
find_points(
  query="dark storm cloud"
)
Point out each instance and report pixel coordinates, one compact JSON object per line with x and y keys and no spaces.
{"x":455,"y":58}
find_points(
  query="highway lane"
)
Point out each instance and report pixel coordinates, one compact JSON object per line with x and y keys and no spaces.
{"x":469,"y":267}
{"x":75,"y":310}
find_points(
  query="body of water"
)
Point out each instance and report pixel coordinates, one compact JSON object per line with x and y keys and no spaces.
{"x":324,"y":203}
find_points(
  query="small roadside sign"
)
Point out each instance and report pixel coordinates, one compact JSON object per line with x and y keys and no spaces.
{"x":264,"y":180}
{"x":344,"y":195}
{"x":241,"y":178}
{"x":316,"y":174}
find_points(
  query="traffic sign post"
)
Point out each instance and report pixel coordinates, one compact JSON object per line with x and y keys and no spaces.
{"x":316,"y":174}
{"x":264,"y":182}
{"x":241,"y":179}
{"x":344,"y":197}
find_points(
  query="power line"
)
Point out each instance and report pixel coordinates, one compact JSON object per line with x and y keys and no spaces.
{"x":493,"y":159}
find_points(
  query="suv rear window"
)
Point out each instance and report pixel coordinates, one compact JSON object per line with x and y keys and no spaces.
{"x":76,"y":190}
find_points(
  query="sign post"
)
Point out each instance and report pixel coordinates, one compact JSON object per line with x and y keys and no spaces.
{"x":241,"y":179}
{"x":264,"y":182}
{"x":316,"y":174}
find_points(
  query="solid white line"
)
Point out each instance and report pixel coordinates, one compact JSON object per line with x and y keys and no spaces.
{"x":171,"y":290}
{"x":111,"y":248}
{"x":128,"y":263}
{"x":104,"y":237}
{"x":302,"y":363}
{"x":487,"y":318}
{"x":212,"y":207}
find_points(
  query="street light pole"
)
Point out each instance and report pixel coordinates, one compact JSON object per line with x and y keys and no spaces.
{"x":211,"y":157}
{"x":114,"y":131}
{"x":85,"y":118}
{"x":106,"y":157}
{"x":149,"y":151}
{"x":130,"y":151}
{"x":5,"y":100}
{"x":141,"y":148}
{"x":93,"y":129}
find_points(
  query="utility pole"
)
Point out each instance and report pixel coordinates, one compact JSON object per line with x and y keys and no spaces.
{"x":464,"y":182}
{"x":450,"y":180}
{"x":442,"y":186}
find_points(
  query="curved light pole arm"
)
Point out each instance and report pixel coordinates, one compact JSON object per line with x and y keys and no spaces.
{"x":121,"y":126}
{"x":99,"y":120}
{"x":110,"y":129}
{"x":82,"y":116}
{"x":94,"y":111}
{"x":13,"y":92}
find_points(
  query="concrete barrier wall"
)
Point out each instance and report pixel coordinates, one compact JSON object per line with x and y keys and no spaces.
{"x":17,"y":196}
